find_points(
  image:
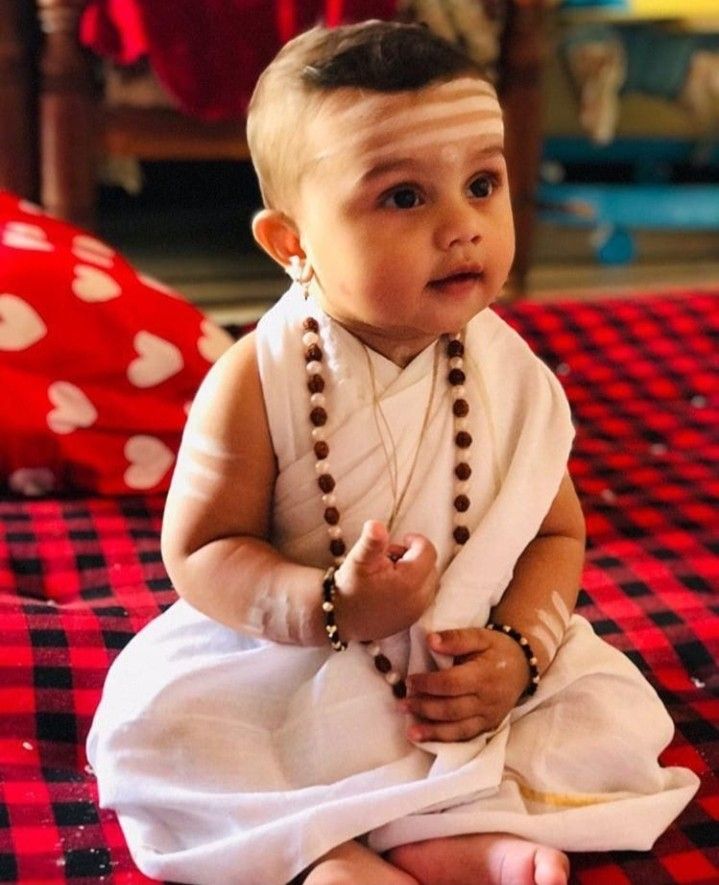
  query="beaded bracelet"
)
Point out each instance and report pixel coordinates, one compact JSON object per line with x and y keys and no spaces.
{"x":329,"y":589}
{"x":523,"y":643}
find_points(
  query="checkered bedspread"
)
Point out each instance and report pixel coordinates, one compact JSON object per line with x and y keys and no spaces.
{"x":79,"y":577}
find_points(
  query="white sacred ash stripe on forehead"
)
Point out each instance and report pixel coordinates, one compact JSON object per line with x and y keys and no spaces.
{"x":376,"y":107}
{"x":428,"y":113}
{"x":439,"y":120}
{"x":450,"y":135}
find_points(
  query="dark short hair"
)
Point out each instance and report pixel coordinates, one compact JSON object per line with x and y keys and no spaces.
{"x":385,"y":57}
{"x":379,"y":56}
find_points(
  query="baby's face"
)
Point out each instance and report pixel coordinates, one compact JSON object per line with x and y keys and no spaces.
{"x":404,"y":211}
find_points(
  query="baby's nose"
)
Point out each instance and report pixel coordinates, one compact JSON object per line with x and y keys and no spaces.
{"x":458,"y":224}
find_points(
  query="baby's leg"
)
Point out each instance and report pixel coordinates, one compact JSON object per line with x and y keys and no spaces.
{"x":353,"y":864}
{"x":489,"y":858}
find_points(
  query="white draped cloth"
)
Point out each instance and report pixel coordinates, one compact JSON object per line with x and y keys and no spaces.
{"x":236,"y":760}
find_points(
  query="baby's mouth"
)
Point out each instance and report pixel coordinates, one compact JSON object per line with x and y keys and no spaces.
{"x":459,"y":280}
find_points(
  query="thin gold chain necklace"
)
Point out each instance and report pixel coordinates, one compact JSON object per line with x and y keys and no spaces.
{"x":391,"y":459}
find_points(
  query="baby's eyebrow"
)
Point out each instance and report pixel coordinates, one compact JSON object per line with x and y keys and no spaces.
{"x":387,"y":167}
{"x":487,"y":151}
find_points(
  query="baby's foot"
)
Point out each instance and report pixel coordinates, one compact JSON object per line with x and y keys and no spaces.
{"x":353,"y":864}
{"x":491,"y":858}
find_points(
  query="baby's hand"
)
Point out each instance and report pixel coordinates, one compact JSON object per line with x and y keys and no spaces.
{"x":383,"y":588}
{"x":487,"y":678}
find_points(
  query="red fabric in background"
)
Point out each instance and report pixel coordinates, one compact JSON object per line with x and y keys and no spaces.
{"x":209,"y":53}
{"x":98,"y":362}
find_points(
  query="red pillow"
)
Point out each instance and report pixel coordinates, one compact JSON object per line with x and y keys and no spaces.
{"x":98,"y":363}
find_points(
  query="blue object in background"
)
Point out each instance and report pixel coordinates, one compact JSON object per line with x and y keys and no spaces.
{"x":613,"y":245}
{"x":613,"y":211}
{"x":649,"y":206}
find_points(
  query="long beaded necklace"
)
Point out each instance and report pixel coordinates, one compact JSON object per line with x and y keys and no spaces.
{"x":462,"y":471}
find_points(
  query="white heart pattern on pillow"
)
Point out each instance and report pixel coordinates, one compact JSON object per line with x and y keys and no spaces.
{"x":158,"y":360}
{"x":18,"y":235}
{"x":214,"y":341}
{"x":91,"y":284}
{"x":72,"y":408}
{"x":92,"y":251}
{"x":149,"y":458}
{"x":21,"y":325}
{"x":30,"y":208}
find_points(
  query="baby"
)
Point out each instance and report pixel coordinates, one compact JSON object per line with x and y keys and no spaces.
{"x":374,"y":674}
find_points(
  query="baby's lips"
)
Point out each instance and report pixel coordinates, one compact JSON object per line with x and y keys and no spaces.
{"x":462,"y":270}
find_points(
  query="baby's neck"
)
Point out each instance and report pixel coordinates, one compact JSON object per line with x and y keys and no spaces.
{"x":399,"y":350}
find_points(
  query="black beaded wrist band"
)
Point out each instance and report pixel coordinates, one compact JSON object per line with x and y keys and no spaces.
{"x":523,"y":643}
{"x":329,"y":589}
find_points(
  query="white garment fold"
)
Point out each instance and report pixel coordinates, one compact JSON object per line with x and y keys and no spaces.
{"x":234,"y":760}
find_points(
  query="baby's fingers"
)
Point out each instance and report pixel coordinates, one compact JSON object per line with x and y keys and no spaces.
{"x":419,"y":551}
{"x":443,"y":709}
{"x":447,"y":732}
{"x":371,"y":546}
{"x":454,"y":682}
{"x":457,"y":643}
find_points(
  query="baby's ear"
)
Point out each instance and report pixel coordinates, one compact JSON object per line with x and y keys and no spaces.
{"x":277,"y":235}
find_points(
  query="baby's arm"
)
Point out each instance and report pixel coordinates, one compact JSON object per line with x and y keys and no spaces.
{"x":490,"y":672}
{"x":217,"y":525}
{"x":543,"y":592}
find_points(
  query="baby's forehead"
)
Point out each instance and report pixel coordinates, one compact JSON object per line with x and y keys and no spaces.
{"x":361,"y":121}
{"x":435,"y":99}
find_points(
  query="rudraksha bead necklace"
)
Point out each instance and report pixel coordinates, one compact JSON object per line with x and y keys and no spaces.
{"x":326,"y":482}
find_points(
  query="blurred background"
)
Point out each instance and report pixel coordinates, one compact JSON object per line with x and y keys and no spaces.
{"x":126,"y":116}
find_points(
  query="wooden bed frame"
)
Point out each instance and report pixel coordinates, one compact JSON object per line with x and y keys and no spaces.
{"x":53,"y":125}
{"x":18,"y":153}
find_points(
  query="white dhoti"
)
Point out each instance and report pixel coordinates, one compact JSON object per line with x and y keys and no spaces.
{"x":230,"y":759}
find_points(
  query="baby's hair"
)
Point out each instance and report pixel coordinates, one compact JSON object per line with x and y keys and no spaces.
{"x":377,"y":56}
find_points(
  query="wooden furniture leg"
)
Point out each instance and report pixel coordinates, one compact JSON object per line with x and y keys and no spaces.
{"x":18,"y":157}
{"x":521,"y":94}
{"x":68,"y":136}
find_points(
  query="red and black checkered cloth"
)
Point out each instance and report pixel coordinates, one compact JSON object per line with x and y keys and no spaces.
{"x":79,"y":577}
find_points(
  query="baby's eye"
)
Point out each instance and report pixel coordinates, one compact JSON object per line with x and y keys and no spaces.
{"x":482,"y":186}
{"x":402,"y":198}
